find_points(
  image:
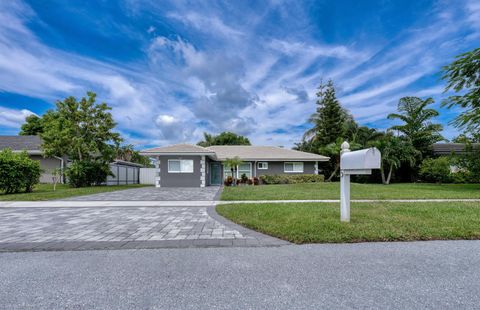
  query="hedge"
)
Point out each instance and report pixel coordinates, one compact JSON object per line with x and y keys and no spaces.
{"x":292,"y":179}
{"x":18,"y":172}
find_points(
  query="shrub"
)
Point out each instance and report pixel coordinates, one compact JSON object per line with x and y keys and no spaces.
{"x":462,"y":177}
{"x":436,"y":170}
{"x":291,"y":179}
{"x":87,"y":173}
{"x":244,"y":178}
{"x":250,"y":181}
{"x":228,"y":181}
{"x":18,"y":172}
{"x":256,"y":181}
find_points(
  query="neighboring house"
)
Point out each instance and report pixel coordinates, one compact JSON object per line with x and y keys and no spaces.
{"x":185,"y":165}
{"x":447,"y":149}
{"x":452,"y":148}
{"x":32,"y":145}
{"x":124,"y":172}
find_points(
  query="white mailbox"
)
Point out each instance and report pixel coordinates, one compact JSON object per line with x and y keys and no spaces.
{"x":357,"y":162}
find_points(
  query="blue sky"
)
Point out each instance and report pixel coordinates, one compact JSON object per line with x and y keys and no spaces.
{"x":172,"y":70}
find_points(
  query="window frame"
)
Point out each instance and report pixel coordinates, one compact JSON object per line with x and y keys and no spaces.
{"x":264,"y":164}
{"x":250,"y":172}
{"x":180,"y":160}
{"x":293,"y":166}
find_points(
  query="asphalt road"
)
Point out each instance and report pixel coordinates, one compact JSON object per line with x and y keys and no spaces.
{"x":435,"y":275}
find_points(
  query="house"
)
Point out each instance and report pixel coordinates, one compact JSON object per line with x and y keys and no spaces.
{"x":124,"y":172}
{"x":185,"y":165}
{"x":452,"y":148}
{"x":32,"y":145}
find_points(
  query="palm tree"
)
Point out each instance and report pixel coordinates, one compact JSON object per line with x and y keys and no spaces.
{"x":364,"y":135}
{"x":417,"y":123}
{"x":233,"y":164}
{"x":333,"y":151}
{"x":395,"y":151}
{"x":208,"y":140}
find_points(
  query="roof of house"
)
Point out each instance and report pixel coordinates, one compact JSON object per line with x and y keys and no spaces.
{"x":30,"y":144}
{"x":120,"y":162}
{"x":244,"y":152}
{"x":449,"y":148}
{"x":267,"y":153}
{"x":185,"y":149}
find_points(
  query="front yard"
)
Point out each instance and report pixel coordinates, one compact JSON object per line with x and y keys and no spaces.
{"x":358,"y":191}
{"x":45,"y":192}
{"x":320,"y":222}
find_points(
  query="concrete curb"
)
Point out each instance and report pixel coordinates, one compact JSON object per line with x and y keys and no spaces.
{"x":198,"y":203}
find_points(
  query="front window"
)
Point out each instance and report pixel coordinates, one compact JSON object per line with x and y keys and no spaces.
{"x":245,"y":168}
{"x":180,"y":166}
{"x":293,"y":167}
{"x":263,"y":165}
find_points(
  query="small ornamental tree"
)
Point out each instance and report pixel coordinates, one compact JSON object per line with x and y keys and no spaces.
{"x":233,"y":164}
{"x":18,"y":172}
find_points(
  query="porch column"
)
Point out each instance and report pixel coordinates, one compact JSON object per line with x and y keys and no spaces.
{"x":157,"y":172}
{"x":316,"y":167}
{"x":203,"y":172}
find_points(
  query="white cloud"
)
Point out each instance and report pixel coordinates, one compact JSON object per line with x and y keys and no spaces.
{"x":13,"y":118}
{"x":222,"y":73}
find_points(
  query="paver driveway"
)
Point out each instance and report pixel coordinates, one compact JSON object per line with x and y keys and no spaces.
{"x":121,"y":227}
{"x":159,"y":194}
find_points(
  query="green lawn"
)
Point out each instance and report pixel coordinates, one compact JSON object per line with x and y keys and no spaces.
{"x":318,"y":223}
{"x":45,"y":192}
{"x":358,"y":191}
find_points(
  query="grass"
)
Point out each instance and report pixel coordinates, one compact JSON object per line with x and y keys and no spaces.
{"x":45,"y":192}
{"x":320,"y":223}
{"x":358,"y":191}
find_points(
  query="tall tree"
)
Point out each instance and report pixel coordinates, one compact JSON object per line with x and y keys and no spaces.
{"x":463,"y":75}
{"x":128,"y":153}
{"x":364,"y":135}
{"x":329,"y":119}
{"x":417,"y":123}
{"x":82,"y":130}
{"x":225,"y":138}
{"x":33,"y":126}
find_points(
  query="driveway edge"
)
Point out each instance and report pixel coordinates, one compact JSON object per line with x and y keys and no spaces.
{"x":254,"y":237}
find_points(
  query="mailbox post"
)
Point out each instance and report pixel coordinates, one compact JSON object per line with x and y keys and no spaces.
{"x":357,"y":162}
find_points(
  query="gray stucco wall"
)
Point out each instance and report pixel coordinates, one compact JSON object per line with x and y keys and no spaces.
{"x":276,"y":167}
{"x":47,"y":165}
{"x":179,"y":179}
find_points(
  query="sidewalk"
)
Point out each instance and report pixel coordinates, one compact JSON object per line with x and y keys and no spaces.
{"x":196,"y":203}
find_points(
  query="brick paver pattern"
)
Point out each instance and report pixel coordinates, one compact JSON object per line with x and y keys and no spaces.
{"x":111,"y":224}
{"x":155,"y":194}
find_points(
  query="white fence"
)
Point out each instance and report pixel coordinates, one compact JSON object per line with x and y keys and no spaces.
{"x":147,"y":176}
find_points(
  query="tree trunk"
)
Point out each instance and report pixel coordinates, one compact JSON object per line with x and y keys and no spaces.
{"x":333,"y":173}
{"x":382,"y":172}
{"x":389,"y":174}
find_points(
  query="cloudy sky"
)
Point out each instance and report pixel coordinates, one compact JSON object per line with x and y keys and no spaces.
{"x":172,"y":70}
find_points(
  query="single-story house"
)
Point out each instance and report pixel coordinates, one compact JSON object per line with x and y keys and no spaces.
{"x":185,"y":165}
{"x":452,"y":148}
{"x":124,"y":172}
{"x":32,"y":145}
